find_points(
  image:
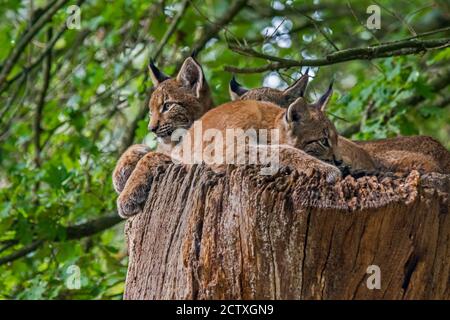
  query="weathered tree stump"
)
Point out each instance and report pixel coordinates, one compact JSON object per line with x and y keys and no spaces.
{"x":288,"y":236}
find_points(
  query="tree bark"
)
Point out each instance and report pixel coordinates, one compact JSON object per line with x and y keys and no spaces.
{"x":241,"y":235}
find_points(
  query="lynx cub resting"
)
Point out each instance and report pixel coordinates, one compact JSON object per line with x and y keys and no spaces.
{"x":294,"y":134}
{"x":175,"y":103}
{"x":396,"y":154}
{"x":351,"y":154}
{"x":422,"y":153}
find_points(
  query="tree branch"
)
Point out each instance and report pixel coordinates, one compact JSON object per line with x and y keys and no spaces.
{"x":76,"y":232}
{"x":388,"y":49}
{"x":92,"y":227}
{"x":8,"y":244}
{"x":21,"y":253}
{"x":293,"y":10}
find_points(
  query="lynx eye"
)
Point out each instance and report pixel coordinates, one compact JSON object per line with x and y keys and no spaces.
{"x":166,"y":106}
{"x":325,"y":142}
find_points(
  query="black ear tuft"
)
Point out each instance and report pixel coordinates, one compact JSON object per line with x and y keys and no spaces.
{"x":307,"y":71}
{"x":306,"y":74}
{"x":236,"y":90}
{"x":236,"y":86}
{"x":325,"y":98}
{"x":194,"y":53}
{"x":298,"y":88}
{"x":156,"y":75}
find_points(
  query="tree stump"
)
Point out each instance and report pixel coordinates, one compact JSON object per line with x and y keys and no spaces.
{"x":241,"y":235}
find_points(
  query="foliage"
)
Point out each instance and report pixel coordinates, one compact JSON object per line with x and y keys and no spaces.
{"x":59,"y":175}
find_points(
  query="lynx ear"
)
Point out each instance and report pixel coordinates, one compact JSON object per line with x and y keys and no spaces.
{"x":295,"y":110}
{"x":325,"y":98}
{"x":236,"y":90}
{"x":191,"y":76}
{"x":298,"y":88}
{"x":156,"y":75}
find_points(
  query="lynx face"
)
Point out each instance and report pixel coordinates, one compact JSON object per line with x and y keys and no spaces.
{"x":306,"y":127}
{"x":177,"y":102}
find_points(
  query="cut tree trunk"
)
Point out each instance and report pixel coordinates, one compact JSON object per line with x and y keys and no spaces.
{"x":241,"y":235}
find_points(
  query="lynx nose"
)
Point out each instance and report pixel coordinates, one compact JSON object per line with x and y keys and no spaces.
{"x":153,"y":128}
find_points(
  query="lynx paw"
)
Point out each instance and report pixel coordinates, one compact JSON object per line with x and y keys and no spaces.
{"x":132,"y":199}
{"x":126,"y":165}
{"x":131,"y":203}
{"x":332,"y":174}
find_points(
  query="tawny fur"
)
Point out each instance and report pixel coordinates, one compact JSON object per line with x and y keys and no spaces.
{"x":186,"y":104}
{"x":355,"y":156}
{"x":352,"y":155}
{"x":250,"y":115}
{"x":126,"y":164}
{"x":311,"y":127}
{"x":421,"y":153}
{"x":139,"y":183}
{"x":281,"y":98}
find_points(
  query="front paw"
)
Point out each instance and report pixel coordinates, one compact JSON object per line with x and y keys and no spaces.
{"x":130,"y":203}
{"x":120,"y":177}
{"x":332,"y":174}
{"x":126,"y":165}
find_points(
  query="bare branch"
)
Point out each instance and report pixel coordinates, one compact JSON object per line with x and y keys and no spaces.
{"x":388,"y":49}
{"x":8,"y":244}
{"x":76,"y":232}
{"x":322,"y":32}
{"x":92,"y":227}
{"x":21,"y":253}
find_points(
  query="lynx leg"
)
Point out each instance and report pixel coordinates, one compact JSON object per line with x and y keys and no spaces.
{"x":134,"y":195}
{"x":126,"y":165}
{"x":301,"y":161}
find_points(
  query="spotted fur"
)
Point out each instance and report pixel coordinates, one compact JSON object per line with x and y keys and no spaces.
{"x":421,"y":153}
{"x":293,"y":124}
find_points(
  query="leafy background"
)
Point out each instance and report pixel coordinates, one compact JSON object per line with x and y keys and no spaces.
{"x":74,"y":99}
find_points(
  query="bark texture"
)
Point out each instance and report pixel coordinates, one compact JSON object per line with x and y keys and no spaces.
{"x":244,"y":236}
